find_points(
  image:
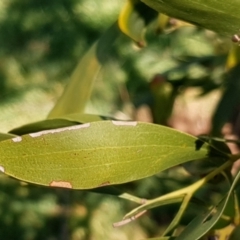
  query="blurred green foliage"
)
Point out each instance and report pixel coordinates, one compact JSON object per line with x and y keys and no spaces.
{"x":40,"y":44}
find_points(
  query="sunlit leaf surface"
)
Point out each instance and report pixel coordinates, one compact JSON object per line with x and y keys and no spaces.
{"x":96,"y":154}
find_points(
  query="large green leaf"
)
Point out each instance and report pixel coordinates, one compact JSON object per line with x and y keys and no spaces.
{"x":204,"y":222}
{"x":218,"y":15}
{"x":96,"y":154}
{"x":78,"y":91}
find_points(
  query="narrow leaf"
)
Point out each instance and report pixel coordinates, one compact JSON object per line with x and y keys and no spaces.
{"x":96,"y":154}
{"x":78,"y":91}
{"x":204,"y":222}
{"x":228,"y":103}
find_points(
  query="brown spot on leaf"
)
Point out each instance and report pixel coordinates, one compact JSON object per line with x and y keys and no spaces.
{"x":61,"y":184}
{"x":104,"y":184}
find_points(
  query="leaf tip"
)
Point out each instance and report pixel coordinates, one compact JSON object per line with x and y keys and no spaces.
{"x":128,"y":220}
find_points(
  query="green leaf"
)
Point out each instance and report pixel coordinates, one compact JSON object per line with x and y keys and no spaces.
{"x":204,"y":222}
{"x":235,"y":234}
{"x":134,"y":18}
{"x":78,"y":91}
{"x":221,"y":16}
{"x":96,"y":154}
{"x":228,"y":103}
{"x":64,"y":121}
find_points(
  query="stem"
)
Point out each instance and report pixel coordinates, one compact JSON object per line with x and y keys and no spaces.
{"x":235,"y":157}
{"x":211,"y":175}
{"x":179,"y":194}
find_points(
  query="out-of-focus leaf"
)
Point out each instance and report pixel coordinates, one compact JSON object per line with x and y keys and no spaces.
{"x":162,"y":22}
{"x":204,"y":222}
{"x":220,"y":16}
{"x":5,"y":136}
{"x":133,"y":20}
{"x":164,"y":95}
{"x":233,"y":57}
{"x":64,"y":121}
{"x":229,"y":102}
{"x":222,"y":233}
{"x":97,"y":154}
{"x":78,"y":91}
{"x":235,"y":234}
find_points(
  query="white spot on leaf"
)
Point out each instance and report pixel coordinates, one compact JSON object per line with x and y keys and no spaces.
{"x":2,"y":169}
{"x":38,"y":134}
{"x":121,"y":123}
{"x":17,"y":139}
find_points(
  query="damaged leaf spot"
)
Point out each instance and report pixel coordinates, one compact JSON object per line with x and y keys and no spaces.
{"x":2,"y":169}
{"x":61,"y":184}
{"x":121,"y":123}
{"x":104,"y":184}
{"x":17,"y":139}
{"x":38,"y":134}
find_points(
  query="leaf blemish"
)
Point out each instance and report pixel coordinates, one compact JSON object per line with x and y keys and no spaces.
{"x":38,"y":134}
{"x":61,"y":184}
{"x":17,"y":139}
{"x":122,"y":123}
{"x":104,"y":184}
{"x":236,"y":38}
{"x":2,"y":169}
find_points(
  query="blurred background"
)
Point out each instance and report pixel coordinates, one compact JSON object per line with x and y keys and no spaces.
{"x":183,"y":78}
